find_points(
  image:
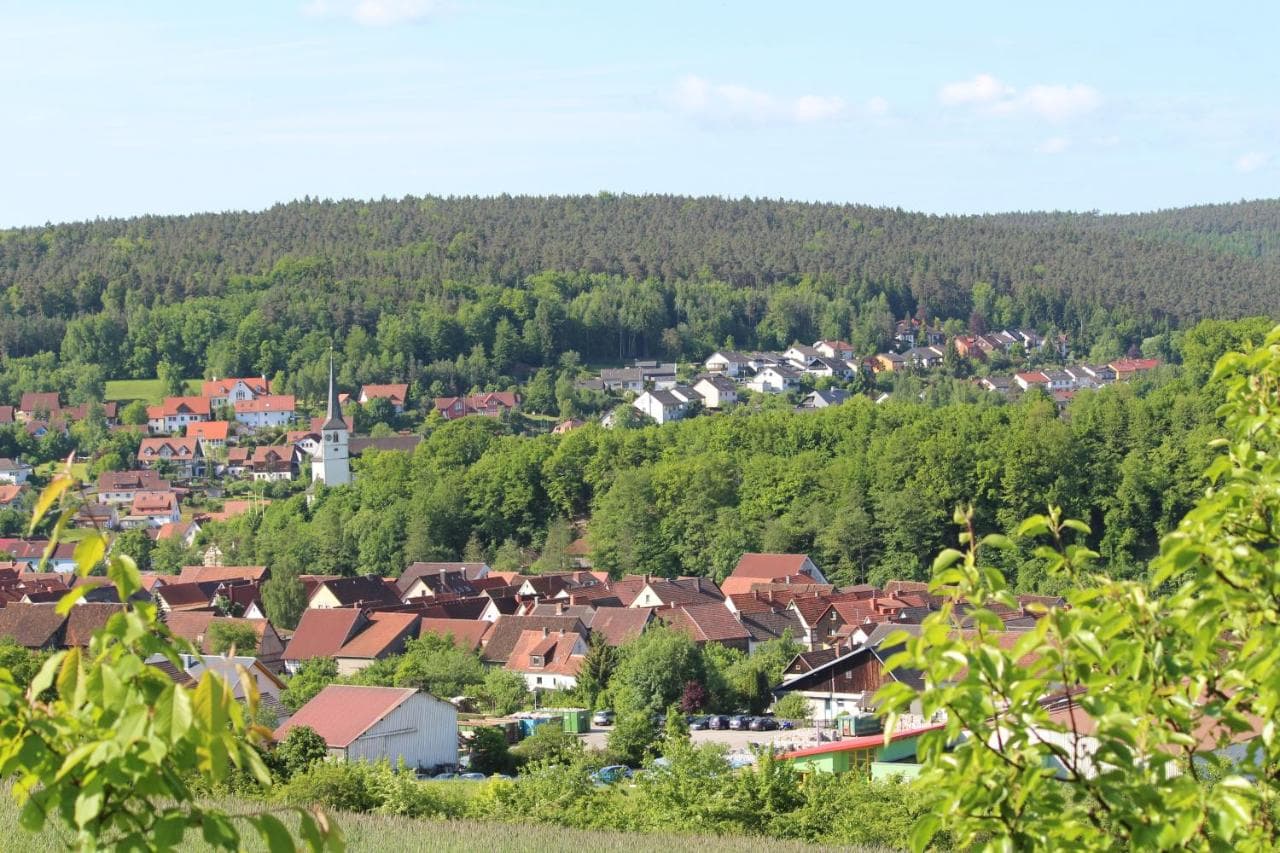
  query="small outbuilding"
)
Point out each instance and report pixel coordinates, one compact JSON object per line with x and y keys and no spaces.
{"x":376,"y":723}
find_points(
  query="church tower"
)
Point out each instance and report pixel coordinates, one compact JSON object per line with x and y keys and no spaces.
{"x":331,"y":464}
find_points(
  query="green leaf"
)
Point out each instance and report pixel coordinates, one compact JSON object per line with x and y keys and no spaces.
{"x":89,"y":552}
{"x":927,"y":826}
{"x":48,"y":498}
{"x":124,"y":574}
{"x":44,"y":678}
{"x":275,"y":834}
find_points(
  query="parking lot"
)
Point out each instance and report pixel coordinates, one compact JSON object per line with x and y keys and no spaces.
{"x":737,"y":741}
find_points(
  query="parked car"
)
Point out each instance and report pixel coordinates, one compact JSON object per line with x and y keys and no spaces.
{"x":603,"y":718}
{"x":763,"y":724}
{"x":442,"y":777}
{"x":739,"y":722}
{"x":696,"y":722}
{"x":610,"y":774}
{"x":473,"y":777}
{"x":717,"y":722}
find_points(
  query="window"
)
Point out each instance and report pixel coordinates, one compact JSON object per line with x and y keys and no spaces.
{"x":539,"y":661}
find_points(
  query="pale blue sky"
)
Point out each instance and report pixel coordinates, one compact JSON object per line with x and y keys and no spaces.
{"x":181,"y":107}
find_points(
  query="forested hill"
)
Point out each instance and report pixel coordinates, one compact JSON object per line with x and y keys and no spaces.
{"x":1221,"y":260}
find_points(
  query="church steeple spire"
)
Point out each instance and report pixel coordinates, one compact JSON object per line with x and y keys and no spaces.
{"x":333,"y":414}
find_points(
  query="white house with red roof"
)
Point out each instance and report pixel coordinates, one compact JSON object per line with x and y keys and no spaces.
{"x":267,"y":410}
{"x":396,"y":393}
{"x":234,"y":390}
{"x":391,"y":724}
{"x":175,"y":413}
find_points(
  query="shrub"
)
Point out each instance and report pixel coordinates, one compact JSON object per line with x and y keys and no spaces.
{"x":793,"y":706}
{"x":549,"y":745}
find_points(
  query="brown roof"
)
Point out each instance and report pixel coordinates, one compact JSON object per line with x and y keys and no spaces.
{"x":35,"y":626}
{"x":361,"y":589}
{"x":811,"y":610}
{"x":180,"y":448}
{"x":85,"y":619}
{"x":186,"y":596}
{"x":321,"y":633}
{"x":438,"y":577}
{"x":171,"y":406}
{"x":340,"y":713}
{"x":467,"y":633}
{"x":124,"y":481}
{"x":682,"y":591}
{"x":505,"y":633}
{"x":194,"y":625}
{"x":9,"y":492}
{"x":753,"y":568}
{"x":36,"y":401}
{"x":384,"y":634}
{"x":708,"y":623}
{"x":619,"y":624}
{"x":199,"y":574}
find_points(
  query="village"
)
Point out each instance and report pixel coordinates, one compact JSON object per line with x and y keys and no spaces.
{"x":538,"y":627}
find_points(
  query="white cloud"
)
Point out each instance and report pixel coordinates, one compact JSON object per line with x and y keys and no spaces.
{"x":1054,"y":102}
{"x":1252,"y":161}
{"x":877,"y":106}
{"x":1059,"y":103}
{"x":1054,"y":145}
{"x":982,"y":89}
{"x":375,"y":13}
{"x":700,"y":98}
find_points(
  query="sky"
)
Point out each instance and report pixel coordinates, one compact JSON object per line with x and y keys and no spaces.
{"x":134,"y":107}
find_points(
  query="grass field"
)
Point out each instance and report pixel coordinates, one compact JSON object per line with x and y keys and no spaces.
{"x":150,"y":390}
{"x":386,"y":834}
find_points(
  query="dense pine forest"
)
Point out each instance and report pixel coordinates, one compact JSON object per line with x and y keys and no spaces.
{"x":463,"y":292}
{"x":453,"y":295}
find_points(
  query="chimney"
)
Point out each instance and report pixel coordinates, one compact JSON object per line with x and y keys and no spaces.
{"x":545,"y":632}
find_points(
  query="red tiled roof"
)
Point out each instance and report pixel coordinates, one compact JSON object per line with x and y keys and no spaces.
{"x":186,"y":596}
{"x":619,"y":624}
{"x":321,"y":633}
{"x":173,"y":406}
{"x":36,"y":401}
{"x":194,"y":625}
{"x":360,"y":589}
{"x":811,"y":609}
{"x":220,"y":574}
{"x":210,"y":430}
{"x":382,"y":636}
{"x":31,"y":625}
{"x":9,"y":492}
{"x":557,"y":647}
{"x":222,"y":387}
{"x":340,"y":713}
{"x":756,"y":567}
{"x":124,"y":481}
{"x":467,"y":633}
{"x":708,"y":623}
{"x":85,"y":618}
{"x":396,"y":393}
{"x":181,"y":448}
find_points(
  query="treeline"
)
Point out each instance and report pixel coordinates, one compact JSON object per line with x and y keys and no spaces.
{"x":868,"y":490}
{"x":454,"y":294}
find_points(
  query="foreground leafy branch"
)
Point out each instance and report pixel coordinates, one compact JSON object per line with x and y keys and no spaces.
{"x":103,"y":745}
{"x":1141,"y":714}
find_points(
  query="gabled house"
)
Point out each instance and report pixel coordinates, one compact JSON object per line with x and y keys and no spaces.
{"x":213,"y":435}
{"x":823,"y":399}
{"x":568,"y":426}
{"x":1127,"y":368}
{"x":717,"y":392}
{"x":396,"y":394}
{"x":269,"y":410}
{"x":38,"y":406}
{"x":677,"y":592}
{"x":234,"y":390}
{"x":924,"y":358}
{"x":662,"y":406}
{"x":184,"y":455}
{"x":829,"y":367}
{"x":33,"y":626}
{"x":272,"y":462}
{"x":175,"y":413}
{"x":838,"y":350}
{"x":800,"y":355}
{"x":888,"y":362}
{"x":358,"y":591}
{"x":755,"y":569}
{"x":383,"y":635}
{"x":819,"y":620}
{"x":151,"y":509}
{"x":321,"y":633}
{"x":120,"y":487}
{"x":548,"y":661}
{"x":775,"y":379}
{"x":185,"y":532}
{"x":709,"y":623}
{"x":14,"y":471}
{"x":728,"y":363}
{"x":505,"y":634}
{"x":491,"y":404}
{"x":1031,"y":378}
{"x":424,"y":580}
{"x":398,"y":725}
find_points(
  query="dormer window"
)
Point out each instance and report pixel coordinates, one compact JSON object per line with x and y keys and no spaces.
{"x":537,"y":661}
